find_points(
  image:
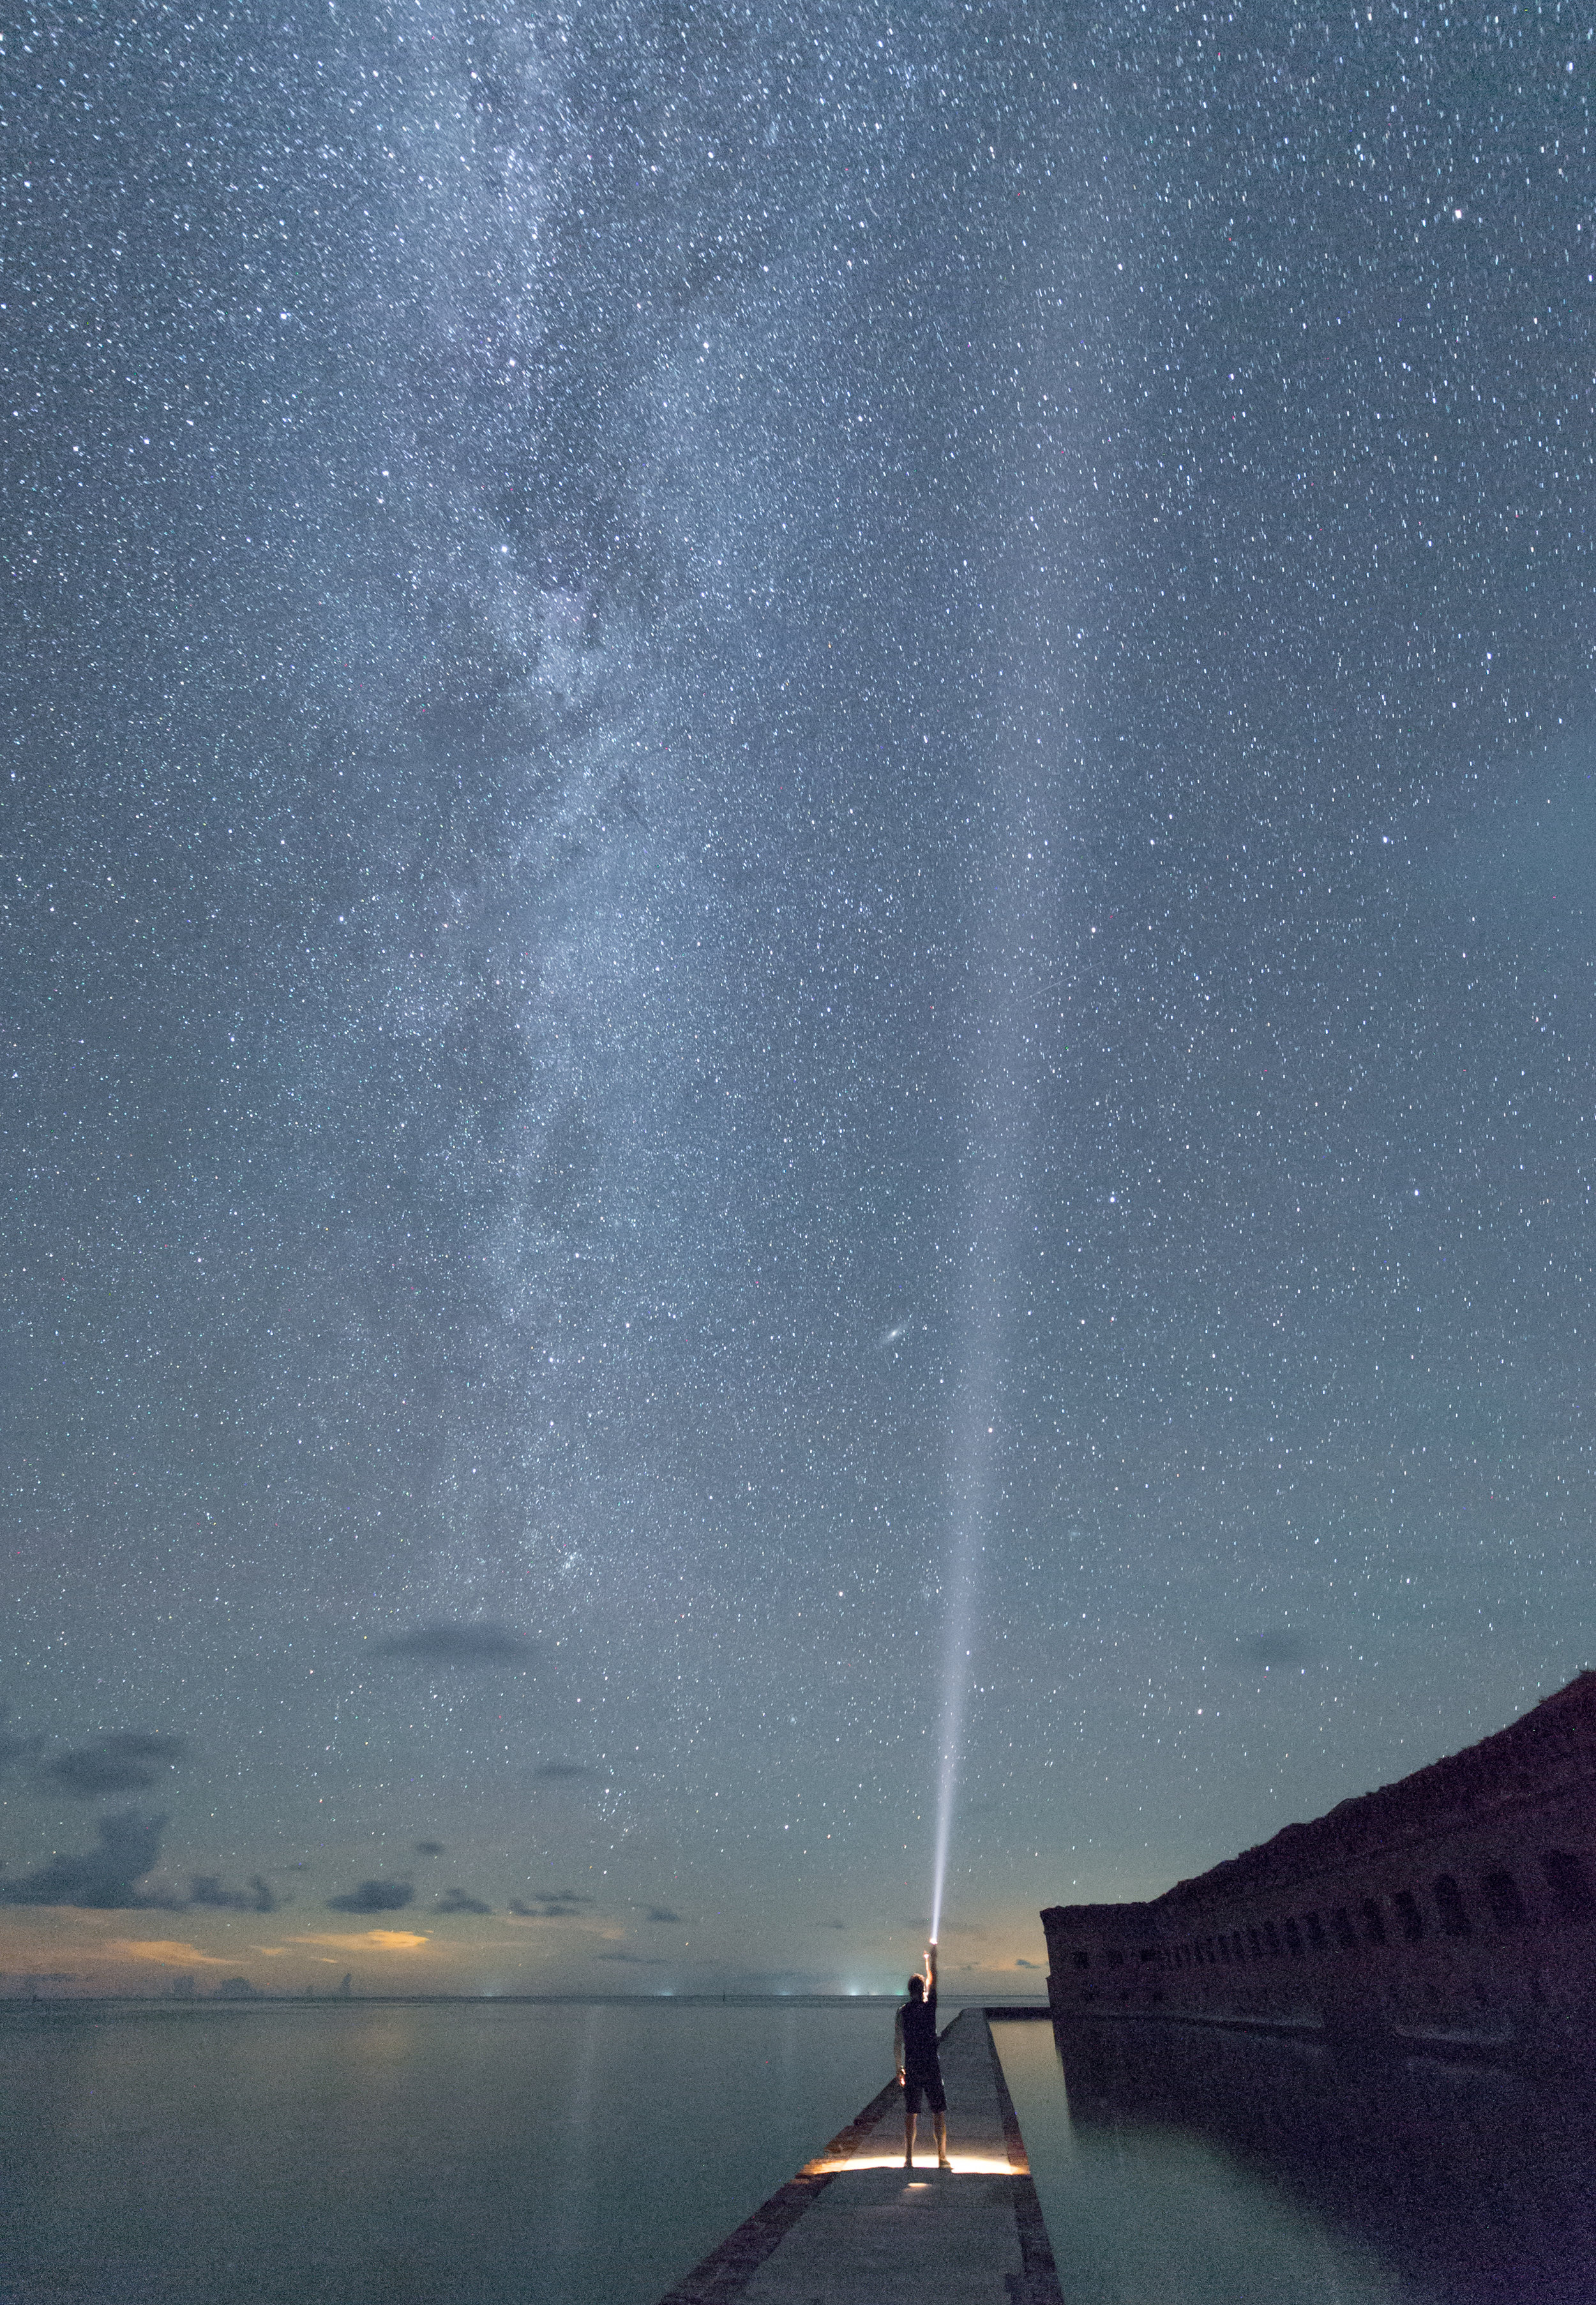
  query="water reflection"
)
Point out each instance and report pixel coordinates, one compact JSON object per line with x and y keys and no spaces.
{"x":1181,"y":2164}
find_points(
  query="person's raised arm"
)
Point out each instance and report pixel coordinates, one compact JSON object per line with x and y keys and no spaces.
{"x":930,"y":1972}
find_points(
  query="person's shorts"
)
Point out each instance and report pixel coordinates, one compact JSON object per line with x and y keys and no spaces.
{"x":929,"y":2085}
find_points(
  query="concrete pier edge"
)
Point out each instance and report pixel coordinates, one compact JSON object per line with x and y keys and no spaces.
{"x":723,"y":2275}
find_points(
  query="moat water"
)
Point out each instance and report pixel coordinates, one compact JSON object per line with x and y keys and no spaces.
{"x":1183,"y":2166}
{"x":566,"y":2155}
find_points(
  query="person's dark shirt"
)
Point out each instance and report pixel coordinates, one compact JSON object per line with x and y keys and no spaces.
{"x":918,"y":2019}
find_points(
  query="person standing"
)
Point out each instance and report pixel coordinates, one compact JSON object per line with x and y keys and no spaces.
{"x":919,"y":2067}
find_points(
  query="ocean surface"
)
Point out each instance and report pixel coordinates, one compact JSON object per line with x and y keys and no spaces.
{"x":398,"y":2155}
{"x":563,"y":2154}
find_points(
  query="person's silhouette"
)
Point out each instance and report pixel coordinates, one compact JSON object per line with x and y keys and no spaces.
{"x":919,"y":2067}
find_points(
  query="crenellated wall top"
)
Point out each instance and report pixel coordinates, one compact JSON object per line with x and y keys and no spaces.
{"x":1547,"y":1750}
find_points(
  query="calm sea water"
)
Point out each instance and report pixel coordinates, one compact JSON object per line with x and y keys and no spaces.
{"x":569,"y":2155}
{"x":404,"y":2156}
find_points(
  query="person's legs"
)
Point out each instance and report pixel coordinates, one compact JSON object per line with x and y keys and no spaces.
{"x":908,"y":2132}
{"x":940,"y":2125}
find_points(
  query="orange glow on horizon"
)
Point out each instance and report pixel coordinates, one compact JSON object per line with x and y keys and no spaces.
{"x":361,"y":1940}
{"x":171,"y":1952}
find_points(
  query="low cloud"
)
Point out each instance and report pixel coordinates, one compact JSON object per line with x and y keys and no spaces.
{"x":631,"y":1960}
{"x":1277,"y":1645}
{"x":206,"y":1889}
{"x":126,"y":1761}
{"x":170,"y":1951}
{"x":831,"y":1925}
{"x":457,"y":1900}
{"x":429,"y":1848}
{"x":566,"y":1772}
{"x":104,"y":1879}
{"x":459,"y":1644}
{"x":365,"y":1941}
{"x":1028,"y":1964}
{"x":16,"y":1751}
{"x":663,"y":1913}
{"x":374,"y":1897}
{"x":550,"y":1905}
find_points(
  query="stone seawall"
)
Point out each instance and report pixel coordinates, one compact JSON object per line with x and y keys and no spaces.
{"x":1454,"y":1910}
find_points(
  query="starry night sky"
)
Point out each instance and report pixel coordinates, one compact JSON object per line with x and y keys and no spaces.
{"x":739,"y":738}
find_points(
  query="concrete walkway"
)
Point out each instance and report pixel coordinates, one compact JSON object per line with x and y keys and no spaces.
{"x":855,"y":2228}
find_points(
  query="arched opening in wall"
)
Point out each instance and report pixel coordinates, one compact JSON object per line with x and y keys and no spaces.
{"x":1374,"y":1921}
{"x":1314,"y":1928}
{"x":1565,"y":1879}
{"x":1501,"y":1894}
{"x":1345,"y":1934}
{"x":1449,"y":1905}
{"x":1255,"y":1943}
{"x":1409,"y":1915}
{"x":1293,"y":1939}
